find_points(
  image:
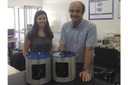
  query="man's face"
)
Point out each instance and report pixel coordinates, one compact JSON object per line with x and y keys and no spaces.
{"x":76,"y":14}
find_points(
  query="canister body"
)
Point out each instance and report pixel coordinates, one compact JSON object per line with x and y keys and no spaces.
{"x":64,"y":69}
{"x":38,"y":71}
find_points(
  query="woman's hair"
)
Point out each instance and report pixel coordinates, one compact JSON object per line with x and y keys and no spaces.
{"x":35,"y":27}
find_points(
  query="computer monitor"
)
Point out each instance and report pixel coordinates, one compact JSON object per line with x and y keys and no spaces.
{"x":106,"y":42}
{"x":11,"y":33}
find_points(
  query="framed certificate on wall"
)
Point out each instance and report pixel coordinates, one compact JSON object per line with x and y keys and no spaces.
{"x":101,"y":9}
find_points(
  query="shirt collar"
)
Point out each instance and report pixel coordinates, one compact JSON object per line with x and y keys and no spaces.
{"x":78,"y":26}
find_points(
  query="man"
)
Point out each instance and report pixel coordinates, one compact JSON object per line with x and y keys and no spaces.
{"x":80,"y":36}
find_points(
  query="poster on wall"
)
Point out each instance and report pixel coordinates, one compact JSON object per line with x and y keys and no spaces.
{"x":101,"y":9}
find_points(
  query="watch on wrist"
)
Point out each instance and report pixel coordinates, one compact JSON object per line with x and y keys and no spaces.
{"x":85,"y":69}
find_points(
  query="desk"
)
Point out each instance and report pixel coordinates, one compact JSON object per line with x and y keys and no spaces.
{"x":12,"y":40}
{"x":19,"y":79}
{"x":12,"y":70}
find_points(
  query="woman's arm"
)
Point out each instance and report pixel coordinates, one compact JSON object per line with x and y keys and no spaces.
{"x":26,"y":47}
{"x":52,"y":49}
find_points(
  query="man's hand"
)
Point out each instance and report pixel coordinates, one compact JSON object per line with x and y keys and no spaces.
{"x":85,"y":76}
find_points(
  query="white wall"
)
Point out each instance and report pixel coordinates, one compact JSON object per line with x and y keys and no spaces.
{"x":12,"y":3}
{"x":108,"y":26}
{"x":57,"y":11}
{"x":22,"y":3}
{"x":57,"y":7}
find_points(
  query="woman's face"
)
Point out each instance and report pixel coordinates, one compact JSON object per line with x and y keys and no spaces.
{"x":41,"y":20}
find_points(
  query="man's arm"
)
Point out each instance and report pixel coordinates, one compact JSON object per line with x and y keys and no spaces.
{"x":87,"y":58}
{"x":91,"y":42}
{"x":85,"y":74}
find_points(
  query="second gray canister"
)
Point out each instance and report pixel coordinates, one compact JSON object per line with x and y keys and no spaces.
{"x":64,"y":67}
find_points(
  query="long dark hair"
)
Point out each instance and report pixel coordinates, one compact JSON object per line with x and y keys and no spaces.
{"x":35,"y":27}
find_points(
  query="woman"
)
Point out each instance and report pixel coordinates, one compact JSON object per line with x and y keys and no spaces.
{"x":39,"y":39}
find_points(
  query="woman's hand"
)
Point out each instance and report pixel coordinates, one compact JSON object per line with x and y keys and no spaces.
{"x":85,"y":76}
{"x":25,"y":54}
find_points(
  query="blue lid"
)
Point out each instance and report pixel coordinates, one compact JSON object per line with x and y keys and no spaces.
{"x":39,"y":55}
{"x":68,"y":54}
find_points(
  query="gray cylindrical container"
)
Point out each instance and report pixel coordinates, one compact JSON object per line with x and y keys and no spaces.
{"x":38,"y":68}
{"x":64,"y":67}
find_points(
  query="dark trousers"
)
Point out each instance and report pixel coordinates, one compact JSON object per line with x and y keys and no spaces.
{"x":78,"y":80}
